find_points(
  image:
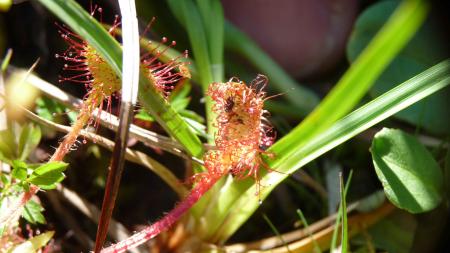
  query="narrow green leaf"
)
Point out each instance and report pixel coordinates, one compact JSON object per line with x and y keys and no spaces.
{"x":304,"y":99}
{"x":447,"y":175}
{"x":340,"y":213}
{"x":411,"y":178}
{"x":343,"y":214}
{"x":305,"y":223}
{"x":29,"y":139}
{"x":424,"y":50}
{"x":4,"y":179}
{"x":41,"y":240}
{"x":238,"y":200}
{"x":94,"y":33}
{"x":2,"y":229}
{"x":189,"y":16}
{"x":48,"y":175}
{"x":32,"y":212}
{"x":6,"y":60}
{"x":33,"y":244}
{"x":275,"y":231}
{"x":361,"y":75}
{"x":213,"y":20}
{"x":8,"y":145}
{"x":143,"y":115}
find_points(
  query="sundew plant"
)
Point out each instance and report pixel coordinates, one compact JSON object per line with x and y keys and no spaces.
{"x":242,"y":157}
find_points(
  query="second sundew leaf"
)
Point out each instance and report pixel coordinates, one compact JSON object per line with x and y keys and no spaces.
{"x":411,"y":177}
{"x":48,"y":175}
{"x":340,"y":101}
{"x":238,"y":201}
{"x":93,"y":32}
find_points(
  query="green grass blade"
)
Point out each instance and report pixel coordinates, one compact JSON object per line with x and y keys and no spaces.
{"x":188,"y":14}
{"x":275,"y":231}
{"x":340,"y":212}
{"x":93,"y":32}
{"x":6,"y":60}
{"x":303,"y":219}
{"x":304,"y":99}
{"x":343,"y":206}
{"x":362,"y":74}
{"x":238,"y":202}
{"x":213,"y":20}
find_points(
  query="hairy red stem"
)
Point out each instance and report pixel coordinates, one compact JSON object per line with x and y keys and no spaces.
{"x":16,"y":207}
{"x":167,"y":221}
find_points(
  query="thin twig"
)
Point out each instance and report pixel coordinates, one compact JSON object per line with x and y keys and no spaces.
{"x":106,"y":119}
{"x":131,"y":155}
{"x":65,"y":217}
{"x":116,"y":230}
{"x":306,"y":179}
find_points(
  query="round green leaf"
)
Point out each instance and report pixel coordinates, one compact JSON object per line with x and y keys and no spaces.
{"x":411,"y":178}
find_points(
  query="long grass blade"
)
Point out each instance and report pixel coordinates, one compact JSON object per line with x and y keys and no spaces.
{"x":340,"y":211}
{"x":130,"y":84}
{"x":189,"y":15}
{"x":305,"y":223}
{"x":362,"y":74}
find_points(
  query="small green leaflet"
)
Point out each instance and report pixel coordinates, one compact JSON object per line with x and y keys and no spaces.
{"x":19,"y":170}
{"x":48,"y":175}
{"x":32,"y":212}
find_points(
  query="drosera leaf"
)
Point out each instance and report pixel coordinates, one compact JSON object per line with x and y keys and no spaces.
{"x":411,"y":177}
{"x":48,"y":175}
{"x":89,"y":29}
{"x":29,"y":139}
{"x":19,"y":170}
{"x":32,"y":212}
{"x":238,"y":201}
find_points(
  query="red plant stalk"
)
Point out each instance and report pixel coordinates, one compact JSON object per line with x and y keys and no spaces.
{"x":15,"y":208}
{"x":243,"y":133}
{"x":167,"y":221}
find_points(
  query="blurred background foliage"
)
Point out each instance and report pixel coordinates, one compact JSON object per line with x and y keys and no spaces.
{"x":312,"y":43}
